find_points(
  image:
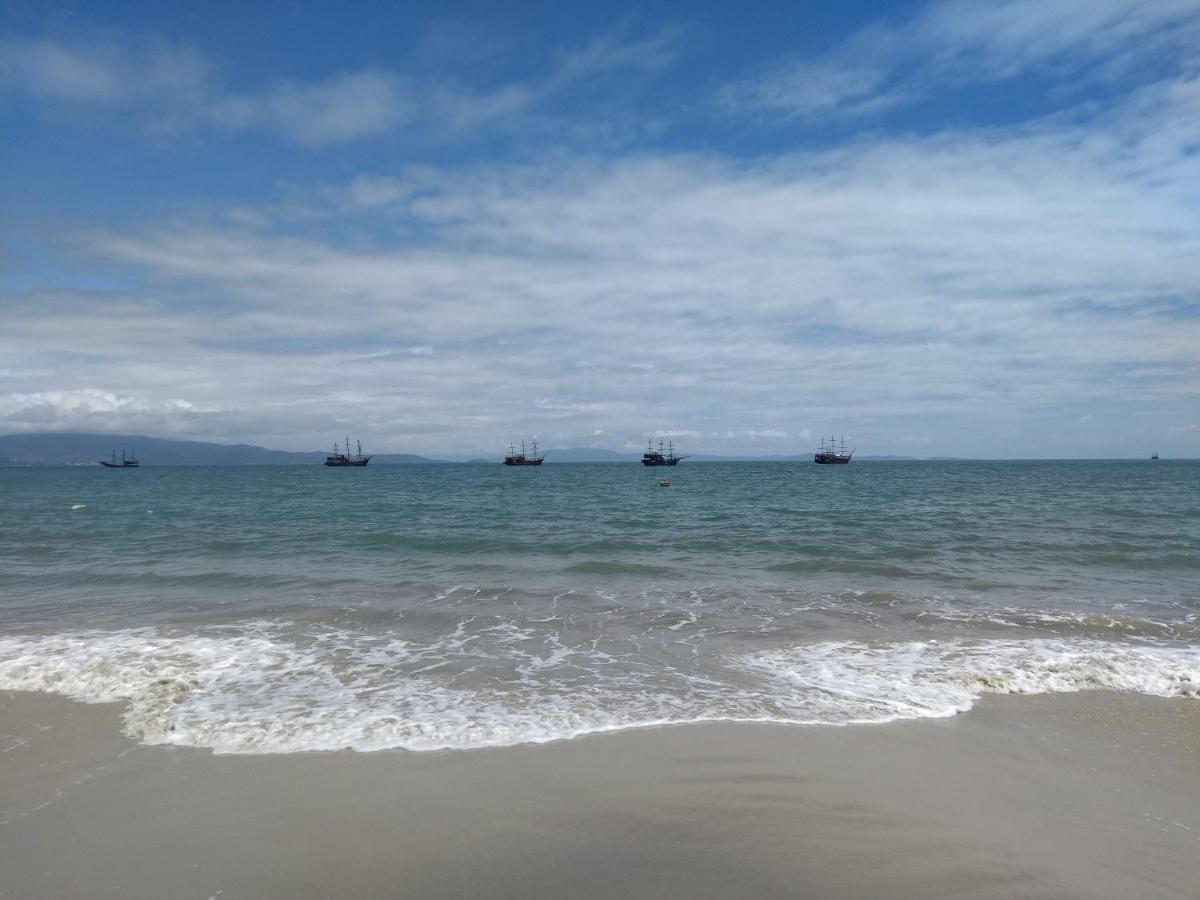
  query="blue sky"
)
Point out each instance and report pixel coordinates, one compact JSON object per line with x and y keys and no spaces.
{"x":938,"y":228}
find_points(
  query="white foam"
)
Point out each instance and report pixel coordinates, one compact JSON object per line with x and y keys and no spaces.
{"x":267,"y":688}
{"x":878,"y":682}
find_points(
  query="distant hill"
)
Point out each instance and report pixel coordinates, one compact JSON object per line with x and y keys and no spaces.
{"x":589,"y":454}
{"x":82,"y":448}
{"x":597,"y":454}
{"x":66,"y":448}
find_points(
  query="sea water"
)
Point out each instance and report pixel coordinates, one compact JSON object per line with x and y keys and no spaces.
{"x":280,"y":609}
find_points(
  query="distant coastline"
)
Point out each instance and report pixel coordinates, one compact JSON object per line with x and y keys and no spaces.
{"x":86,"y":448}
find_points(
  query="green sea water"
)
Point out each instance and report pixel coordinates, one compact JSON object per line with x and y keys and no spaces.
{"x":285,"y":608}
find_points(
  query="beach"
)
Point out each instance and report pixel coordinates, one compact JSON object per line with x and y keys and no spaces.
{"x":1090,"y":794}
{"x":959,"y":679}
{"x":600,"y":451}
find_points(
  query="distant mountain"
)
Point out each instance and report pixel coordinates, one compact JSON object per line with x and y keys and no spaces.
{"x":597,"y":454}
{"x":66,"y":448}
{"x":594,"y":454}
{"x":589,"y":454}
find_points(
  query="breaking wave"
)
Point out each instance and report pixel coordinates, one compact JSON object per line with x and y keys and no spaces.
{"x":265,"y":687}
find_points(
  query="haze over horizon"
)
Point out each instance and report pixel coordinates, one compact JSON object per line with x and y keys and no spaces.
{"x":939,"y":228}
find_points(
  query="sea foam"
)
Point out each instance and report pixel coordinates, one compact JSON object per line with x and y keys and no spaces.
{"x":261,"y":688}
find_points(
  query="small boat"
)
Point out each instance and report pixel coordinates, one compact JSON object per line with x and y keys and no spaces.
{"x":664,"y":482}
{"x":833,"y":452}
{"x":1154,"y":455}
{"x":339,"y":459}
{"x":663,"y":456}
{"x":523,"y":459}
{"x":127,"y":462}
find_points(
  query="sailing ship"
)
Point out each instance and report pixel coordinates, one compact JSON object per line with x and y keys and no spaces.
{"x":833,"y":452}
{"x":127,"y":461}
{"x":663,"y":456}
{"x":523,"y":459}
{"x":345,"y":459}
{"x":1154,"y":455}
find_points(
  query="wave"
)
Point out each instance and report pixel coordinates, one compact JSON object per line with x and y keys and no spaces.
{"x":862,"y":683}
{"x":604,"y":567}
{"x":277,"y":687}
{"x":843,"y":566}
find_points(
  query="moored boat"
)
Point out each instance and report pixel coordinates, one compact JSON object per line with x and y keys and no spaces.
{"x":127,"y":461}
{"x":833,"y":452}
{"x":664,"y":456}
{"x":524,"y":459}
{"x":344,"y":458}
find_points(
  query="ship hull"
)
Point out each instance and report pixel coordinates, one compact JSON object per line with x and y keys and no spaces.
{"x":341,"y":464}
{"x":126,"y":465}
{"x":660,"y":462}
{"x":830,"y":459}
{"x":523,"y":462}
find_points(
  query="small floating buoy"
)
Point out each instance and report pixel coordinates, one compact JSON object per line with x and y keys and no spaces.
{"x":664,"y":482}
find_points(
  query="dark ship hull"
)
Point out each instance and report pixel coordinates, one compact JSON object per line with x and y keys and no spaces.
{"x":126,"y":462}
{"x":342,"y":458}
{"x":663,"y":456}
{"x":524,"y":459}
{"x":832,"y":452}
{"x":834,"y":459}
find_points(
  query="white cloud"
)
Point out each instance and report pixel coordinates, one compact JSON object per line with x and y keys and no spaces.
{"x":955,"y":42}
{"x":348,"y":106}
{"x":107,"y":71}
{"x":93,"y":409}
{"x":863,"y":290}
{"x":975,"y":288}
{"x":171,"y":87}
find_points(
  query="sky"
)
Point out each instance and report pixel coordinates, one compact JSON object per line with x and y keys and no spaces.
{"x":937,"y":228}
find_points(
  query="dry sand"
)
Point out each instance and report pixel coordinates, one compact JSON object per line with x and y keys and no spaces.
{"x":1087,"y":795}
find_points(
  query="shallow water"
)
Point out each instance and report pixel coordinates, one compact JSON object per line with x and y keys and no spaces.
{"x":287,"y":608}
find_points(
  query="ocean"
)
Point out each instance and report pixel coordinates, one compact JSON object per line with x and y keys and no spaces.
{"x":285,"y":609}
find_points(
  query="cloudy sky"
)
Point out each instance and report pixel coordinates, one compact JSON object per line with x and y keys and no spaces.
{"x":937,"y":228}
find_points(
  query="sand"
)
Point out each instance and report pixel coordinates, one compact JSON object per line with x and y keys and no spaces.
{"x":1085,"y":795}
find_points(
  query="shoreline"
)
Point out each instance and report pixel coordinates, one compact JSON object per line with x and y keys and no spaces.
{"x":1089,"y":794}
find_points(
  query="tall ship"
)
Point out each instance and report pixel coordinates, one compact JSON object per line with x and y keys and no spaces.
{"x":833,"y":451}
{"x":126,"y":462}
{"x":340,"y":458}
{"x":663,"y":456}
{"x":524,"y":459}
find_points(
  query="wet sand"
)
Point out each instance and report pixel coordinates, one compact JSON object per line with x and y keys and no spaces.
{"x":1084,"y":795}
